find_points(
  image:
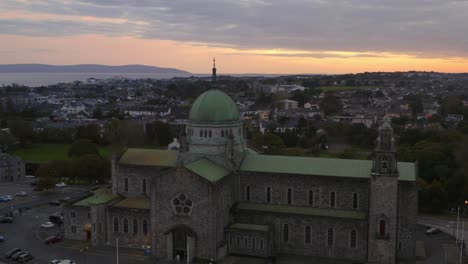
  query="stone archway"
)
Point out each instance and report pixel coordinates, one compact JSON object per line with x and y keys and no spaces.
{"x":180,"y":242}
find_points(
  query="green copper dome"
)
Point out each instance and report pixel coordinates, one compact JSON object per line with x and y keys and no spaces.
{"x":214,"y":106}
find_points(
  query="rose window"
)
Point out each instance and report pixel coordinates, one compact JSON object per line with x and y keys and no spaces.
{"x":182,"y":204}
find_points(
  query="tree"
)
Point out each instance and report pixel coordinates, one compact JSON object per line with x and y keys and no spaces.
{"x":93,"y":169}
{"x":159,"y":133}
{"x":270,"y":143}
{"x":82,"y":147}
{"x":331,"y":105}
{"x":451,"y":105}
{"x":22,"y":130}
{"x":91,"y":132}
{"x":46,"y":173}
{"x":6,"y":141}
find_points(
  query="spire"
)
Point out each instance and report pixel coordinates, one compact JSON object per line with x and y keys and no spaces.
{"x":213,"y":76}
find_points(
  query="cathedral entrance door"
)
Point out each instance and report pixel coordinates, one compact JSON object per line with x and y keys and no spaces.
{"x":179,"y":246}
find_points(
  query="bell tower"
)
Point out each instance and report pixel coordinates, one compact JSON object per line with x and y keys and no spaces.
{"x":383,"y":204}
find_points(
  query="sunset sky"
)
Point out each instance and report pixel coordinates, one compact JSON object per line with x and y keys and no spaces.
{"x":245,"y":36}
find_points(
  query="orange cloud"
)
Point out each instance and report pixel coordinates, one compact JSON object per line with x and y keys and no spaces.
{"x":196,"y":57}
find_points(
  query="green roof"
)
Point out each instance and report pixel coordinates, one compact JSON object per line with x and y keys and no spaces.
{"x":214,"y":106}
{"x":207,"y":169}
{"x":249,"y":227}
{"x":100,"y":196}
{"x":319,"y":166}
{"x":149,"y":157}
{"x":134,"y":202}
{"x":309,"y":211}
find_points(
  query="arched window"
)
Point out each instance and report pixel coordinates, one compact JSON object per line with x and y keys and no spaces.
{"x":261,"y":243}
{"x":355,"y":200}
{"x":245,"y":243}
{"x":289,"y":198}
{"x":352,"y":239}
{"x":145,"y":227}
{"x":307,"y":235}
{"x":285,"y":233}
{"x":144,"y":186}
{"x":222,"y":133}
{"x":209,"y":133}
{"x":126,"y":185}
{"x":247,"y":193}
{"x":135,"y":226}
{"x":382,"y":227}
{"x":238,"y":242}
{"x":311,"y":198}
{"x":116,"y":225}
{"x":125,"y":225}
{"x":201,"y":133}
{"x":332,"y":199}
{"x":330,"y":237}
{"x":268,"y":195}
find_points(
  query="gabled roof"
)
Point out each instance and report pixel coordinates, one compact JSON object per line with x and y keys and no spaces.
{"x":319,"y":166}
{"x":207,"y":169}
{"x":149,"y":157}
{"x":99,"y":196}
{"x":134,"y":203}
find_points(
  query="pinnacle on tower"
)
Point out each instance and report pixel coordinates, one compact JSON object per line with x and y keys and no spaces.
{"x":213,"y":76}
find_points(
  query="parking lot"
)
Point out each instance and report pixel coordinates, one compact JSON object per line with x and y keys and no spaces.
{"x":26,"y":233}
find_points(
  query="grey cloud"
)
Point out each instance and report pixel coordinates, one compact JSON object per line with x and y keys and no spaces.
{"x":427,"y":27}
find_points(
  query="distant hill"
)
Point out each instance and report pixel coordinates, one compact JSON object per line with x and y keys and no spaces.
{"x":85,"y":68}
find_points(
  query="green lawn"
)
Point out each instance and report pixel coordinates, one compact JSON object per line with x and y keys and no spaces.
{"x":344,"y":88}
{"x":41,"y":153}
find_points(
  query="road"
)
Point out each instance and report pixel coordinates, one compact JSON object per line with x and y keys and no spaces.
{"x":446,"y":224}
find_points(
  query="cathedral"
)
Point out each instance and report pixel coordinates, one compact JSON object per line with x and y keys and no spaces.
{"x":215,"y":197}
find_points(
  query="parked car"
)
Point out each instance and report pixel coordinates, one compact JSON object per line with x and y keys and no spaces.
{"x":61,"y":185}
{"x":55,"y":261}
{"x":55,"y":203}
{"x":6,"y":220}
{"x":6,"y":198}
{"x":2,"y":238}
{"x":67,"y":261}
{"x":18,"y":254}
{"x":48,"y":225}
{"x":56,"y":219}
{"x":11,"y":252}
{"x":64,"y":199}
{"x":3,"y":199}
{"x":432,"y":231}
{"x":53,"y":240}
{"x":23,"y":258}
{"x":22,"y":193}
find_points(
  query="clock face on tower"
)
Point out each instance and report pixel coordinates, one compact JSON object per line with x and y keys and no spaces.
{"x":182,"y":204}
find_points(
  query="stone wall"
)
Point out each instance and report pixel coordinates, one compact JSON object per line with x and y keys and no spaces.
{"x":383,"y":207}
{"x":318,"y":247}
{"x":12,"y":168}
{"x":200,"y":220}
{"x":225,"y":189}
{"x":300,"y":186}
{"x":250,"y":243}
{"x":407,"y":219}
{"x":130,"y":238}
{"x":135,"y":176}
{"x":75,"y":220}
